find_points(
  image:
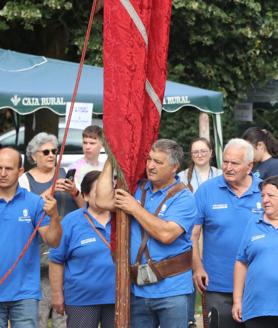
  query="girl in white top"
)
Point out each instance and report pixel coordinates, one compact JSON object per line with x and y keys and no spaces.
{"x":199,"y":169}
{"x":198,"y":172}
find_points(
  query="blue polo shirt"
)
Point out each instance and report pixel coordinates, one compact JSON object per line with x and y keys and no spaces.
{"x":259,"y":250}
{"x":89,"y":272}
{"x":180,"y":209}
{"x":18,"y":218}
{"x":224,"y":216}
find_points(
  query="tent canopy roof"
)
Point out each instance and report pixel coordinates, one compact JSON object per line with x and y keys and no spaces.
{"x":29,"y":83}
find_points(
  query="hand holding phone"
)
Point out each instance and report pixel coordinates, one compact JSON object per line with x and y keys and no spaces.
{"x":70,"y":174}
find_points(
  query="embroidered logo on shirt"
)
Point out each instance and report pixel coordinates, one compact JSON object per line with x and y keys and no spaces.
{"x":258,"y":208}
{"x":257,"y":237}
{"x":219,"y":206}
{"x":25,"y":216}
{"x":88,"y":241}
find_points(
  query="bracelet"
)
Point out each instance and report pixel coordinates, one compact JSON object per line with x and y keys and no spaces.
{"x":76,"y":193}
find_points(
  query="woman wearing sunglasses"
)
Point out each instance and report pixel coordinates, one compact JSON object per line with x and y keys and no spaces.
{"x":42,"y":152}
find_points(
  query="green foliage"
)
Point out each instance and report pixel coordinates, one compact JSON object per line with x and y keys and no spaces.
{"x":54,"y":28}
{"x":225,"y":45}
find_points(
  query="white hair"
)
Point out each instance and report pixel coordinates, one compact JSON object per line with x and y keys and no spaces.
{"x":242,"y":144}
{"x":37,"y":141}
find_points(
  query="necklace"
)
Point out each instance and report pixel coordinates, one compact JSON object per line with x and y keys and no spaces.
{"x":198,"y":176}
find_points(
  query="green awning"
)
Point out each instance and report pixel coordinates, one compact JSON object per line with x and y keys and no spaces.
{"x":179,"y":95}
{"x":29,"y":83}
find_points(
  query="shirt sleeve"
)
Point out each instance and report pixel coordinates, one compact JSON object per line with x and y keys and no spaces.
{"x":60,"y":254}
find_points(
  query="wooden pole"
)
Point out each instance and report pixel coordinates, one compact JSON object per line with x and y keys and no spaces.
{"x":122,"y":310}
{"x":204,"y":125}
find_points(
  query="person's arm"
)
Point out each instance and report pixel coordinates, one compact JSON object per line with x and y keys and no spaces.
{"x":200,"y":276}
{"x":56,"y":278}
{"x":105,"y":189}
{"x":163,"y":231}
{"x":239,"y":282}
{"x":52,"y":233}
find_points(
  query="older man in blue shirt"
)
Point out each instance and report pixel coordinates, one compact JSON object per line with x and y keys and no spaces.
{"x":225,"y":205}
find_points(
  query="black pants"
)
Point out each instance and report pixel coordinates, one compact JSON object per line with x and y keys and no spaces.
{"x":219,"y":307}
{"x":262,"y":322}
{"x":90,"y":316}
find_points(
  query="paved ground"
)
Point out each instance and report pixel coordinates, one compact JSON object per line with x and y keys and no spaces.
{"x":199,"y":321}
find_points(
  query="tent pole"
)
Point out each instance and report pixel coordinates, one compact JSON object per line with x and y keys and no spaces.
{"x":218,"y":138}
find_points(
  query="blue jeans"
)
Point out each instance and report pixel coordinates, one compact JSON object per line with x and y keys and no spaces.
{"x":191,"y":307}
{"x":22,"y":314}
{"x":163,"y":312}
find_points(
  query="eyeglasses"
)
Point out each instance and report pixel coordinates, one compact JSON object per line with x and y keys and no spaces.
{"x":46,"y":152}
{"x":201,"y":152}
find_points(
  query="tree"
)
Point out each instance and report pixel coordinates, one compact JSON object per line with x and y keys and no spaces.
{"x":222,"y":45}
{"x":54,"y":28}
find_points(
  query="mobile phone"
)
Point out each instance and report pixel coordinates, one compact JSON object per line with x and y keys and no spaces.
{"x":70,"y":174}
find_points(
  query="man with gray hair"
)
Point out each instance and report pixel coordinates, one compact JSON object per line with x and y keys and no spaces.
{"x":225,"y":205}
{"x":163,"y":213}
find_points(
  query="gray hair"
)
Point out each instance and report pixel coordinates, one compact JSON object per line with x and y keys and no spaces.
{"x":37,"y":141}
{"x":242,"y":144}
{"x":171,"y":148}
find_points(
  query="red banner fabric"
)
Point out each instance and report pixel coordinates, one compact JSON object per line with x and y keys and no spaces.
{"x":136,"y":35}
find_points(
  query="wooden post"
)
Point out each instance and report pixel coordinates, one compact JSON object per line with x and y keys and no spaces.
{"x":122,"y":310}
{"x":204,"y":125}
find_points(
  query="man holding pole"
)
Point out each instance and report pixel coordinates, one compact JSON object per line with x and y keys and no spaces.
{"x":163,"y":213}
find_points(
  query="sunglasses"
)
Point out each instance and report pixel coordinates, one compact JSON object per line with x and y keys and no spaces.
{"x":46,"y":152}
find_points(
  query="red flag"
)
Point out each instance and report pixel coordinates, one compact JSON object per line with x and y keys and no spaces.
{"x":136,"y":35}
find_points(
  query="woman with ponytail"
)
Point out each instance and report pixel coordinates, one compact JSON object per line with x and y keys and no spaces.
{"x":265,"y":152}
{"x":199,"y":171}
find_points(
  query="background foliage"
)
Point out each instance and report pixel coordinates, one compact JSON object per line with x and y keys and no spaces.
{"x":221,"y":45}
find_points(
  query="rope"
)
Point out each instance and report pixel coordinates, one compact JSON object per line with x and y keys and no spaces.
{"x":81,"y":64}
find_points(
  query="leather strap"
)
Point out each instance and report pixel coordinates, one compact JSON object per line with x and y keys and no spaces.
{"x":145,"y":236}
{"x":168,"y":267}
{"x":96,"y":230}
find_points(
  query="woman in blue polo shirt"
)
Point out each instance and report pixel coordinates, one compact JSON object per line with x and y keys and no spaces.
{"x":255,"y":276}
{"x":82,"y":273}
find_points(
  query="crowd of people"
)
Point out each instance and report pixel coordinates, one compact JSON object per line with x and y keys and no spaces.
{"x":213,"y":228}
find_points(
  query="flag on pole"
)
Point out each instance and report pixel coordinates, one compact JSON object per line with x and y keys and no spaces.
{"x":136,"y":35}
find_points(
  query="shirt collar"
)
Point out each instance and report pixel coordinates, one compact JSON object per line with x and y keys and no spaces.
{"x":254,"y":188}
{"x":19,"y":191}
